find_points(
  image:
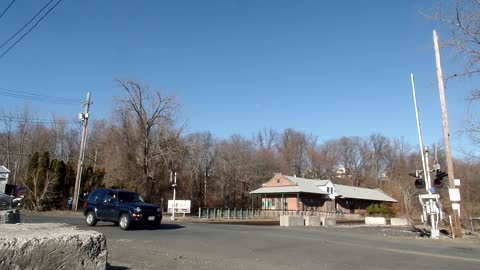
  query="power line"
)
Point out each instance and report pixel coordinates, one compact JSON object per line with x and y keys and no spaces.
{"x":37,"y":121}
{"x":5,"y":11}
{"x":25,"y":25}
{"x":31,"y":28}
{"x":37,"y":96}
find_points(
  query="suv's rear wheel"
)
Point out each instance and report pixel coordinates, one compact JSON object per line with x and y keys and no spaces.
{"x":124,"y":221}
{"x":90,"y":219}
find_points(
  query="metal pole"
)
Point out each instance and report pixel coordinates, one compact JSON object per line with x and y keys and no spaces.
{"x":78,"y":178}
{"x":427,"y":185}
{"x":205,"y":188}
{"x":435,"y":233}
{"x":174,"y":185}
{"x":446,"y":134}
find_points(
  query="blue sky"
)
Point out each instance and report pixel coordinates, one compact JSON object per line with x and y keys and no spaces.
{"x":328,"y":68}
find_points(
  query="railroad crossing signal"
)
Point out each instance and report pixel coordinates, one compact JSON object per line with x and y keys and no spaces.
{"x":419,"y":181}
{"x":438,"y":181}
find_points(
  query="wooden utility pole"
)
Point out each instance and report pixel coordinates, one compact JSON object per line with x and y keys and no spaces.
{"x":78,"y":179}
{"x":446,"y":136}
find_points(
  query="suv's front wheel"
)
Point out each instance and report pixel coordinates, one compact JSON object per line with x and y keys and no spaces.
{"x":124,"y":221}
{"x":90,"y":219}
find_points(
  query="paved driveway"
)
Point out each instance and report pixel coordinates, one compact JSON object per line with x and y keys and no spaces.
{"x":220,"y":246}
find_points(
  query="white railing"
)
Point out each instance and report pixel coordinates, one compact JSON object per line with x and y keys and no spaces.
{"x":248,"y":213}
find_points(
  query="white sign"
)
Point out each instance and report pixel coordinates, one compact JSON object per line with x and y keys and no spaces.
{"x":456,"y":182}
{"x":454,"y":194}
{"x":181,"y":206}
{"x":455,"y":206}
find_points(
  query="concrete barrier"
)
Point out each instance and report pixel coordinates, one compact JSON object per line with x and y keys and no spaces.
{"x":51,"y":246}
{"x":375,"y":221}
{"x":328,"y":221}
{"x":9,"y":216}
{"x":289,"y":221}
{"x":399,"y":222}
{"x":312,"y":221}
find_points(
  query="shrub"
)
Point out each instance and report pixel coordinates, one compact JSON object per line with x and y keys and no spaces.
{"x":381,"y":210}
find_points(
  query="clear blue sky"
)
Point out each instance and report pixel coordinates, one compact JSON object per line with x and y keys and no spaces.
{"x":329,"y":68}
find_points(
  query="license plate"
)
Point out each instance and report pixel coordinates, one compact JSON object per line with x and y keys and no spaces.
{"x":151,"y":218}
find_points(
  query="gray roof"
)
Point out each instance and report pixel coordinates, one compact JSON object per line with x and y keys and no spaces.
{"x":305,"y":181}
{"x":287,"y":189}
{"x":3,"y":169}
{"x":303,"y":186}
{"x":362,"y":193}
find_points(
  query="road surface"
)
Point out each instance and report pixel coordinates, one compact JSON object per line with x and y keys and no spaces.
{"x":222,"y":246}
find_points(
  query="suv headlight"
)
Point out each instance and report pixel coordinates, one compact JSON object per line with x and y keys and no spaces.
{"x":158,"y":210}
{"x":138,"y":209}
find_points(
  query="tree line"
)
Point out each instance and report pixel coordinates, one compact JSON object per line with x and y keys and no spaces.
{"x":143,"y":141}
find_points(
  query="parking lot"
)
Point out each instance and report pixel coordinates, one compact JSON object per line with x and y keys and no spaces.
{"x":187,"y":245}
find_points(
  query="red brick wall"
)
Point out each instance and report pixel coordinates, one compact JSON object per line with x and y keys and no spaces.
{"x":278,"y":181}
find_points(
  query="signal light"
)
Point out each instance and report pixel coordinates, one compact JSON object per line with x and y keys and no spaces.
{"x":438,"y":181}
{"x":419,"y":183}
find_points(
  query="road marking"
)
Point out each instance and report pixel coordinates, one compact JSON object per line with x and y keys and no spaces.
{"x":416,"y":253}
{"x":442,"y":256}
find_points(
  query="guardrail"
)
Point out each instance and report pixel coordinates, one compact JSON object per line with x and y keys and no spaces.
{"x":247,"y":213}
{"x":472,"y":219}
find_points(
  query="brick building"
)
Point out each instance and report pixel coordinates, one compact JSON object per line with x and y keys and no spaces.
{"x":299,"y":194}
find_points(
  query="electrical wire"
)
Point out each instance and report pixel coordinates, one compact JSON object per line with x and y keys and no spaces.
{"x":25,"y":25}
{"x":31,"y":28}
{"x":5,"y":11}
{"x":36,"y":121}
{"x":38,"y":97}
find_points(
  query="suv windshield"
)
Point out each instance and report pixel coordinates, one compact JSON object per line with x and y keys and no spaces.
{"x":128,"y":197}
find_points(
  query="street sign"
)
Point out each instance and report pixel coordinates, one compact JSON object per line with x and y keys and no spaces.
{"x":456,"y":182}
{"x":181,"y":206}
{"x":454,"y":194}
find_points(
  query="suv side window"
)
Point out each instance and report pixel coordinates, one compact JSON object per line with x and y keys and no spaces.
{"x":93,"y":196}
{"x":102,"y":196}
{"x":111,"y":197}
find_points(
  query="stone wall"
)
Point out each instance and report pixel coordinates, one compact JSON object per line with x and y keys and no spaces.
{"x":9,"y":216}
{"x":51,"y":246}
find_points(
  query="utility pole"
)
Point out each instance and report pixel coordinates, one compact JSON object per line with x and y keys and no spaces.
{"x":174,"y":185}
{"x":446,"y":136}
{"x":78,"y":179}
{"x":205,"y":187}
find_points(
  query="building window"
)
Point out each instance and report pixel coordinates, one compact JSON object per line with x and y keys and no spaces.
{"x":278,"y":181}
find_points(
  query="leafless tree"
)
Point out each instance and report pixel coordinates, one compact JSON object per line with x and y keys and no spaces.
{"x":293,"y":148}
{"x":149,"y":110}
{"x":461,"y":19}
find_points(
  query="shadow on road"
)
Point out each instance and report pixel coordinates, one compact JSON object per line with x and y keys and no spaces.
{"x":161,"y":228}
{"x":170,"y":227}
{"x":111,"y":267}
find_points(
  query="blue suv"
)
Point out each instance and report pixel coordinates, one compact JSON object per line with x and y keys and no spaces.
{"x":124,"y":208}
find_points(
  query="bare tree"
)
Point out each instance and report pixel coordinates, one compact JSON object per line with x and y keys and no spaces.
{"x":293,"y":148}
{"x":150,"y":109}
{"x":461,"y":19}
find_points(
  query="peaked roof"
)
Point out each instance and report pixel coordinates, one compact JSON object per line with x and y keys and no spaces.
{"x":303,"y":181}
{"x":3,"y":169}
{"x":302,"y":186}
{"x":362,"y":193}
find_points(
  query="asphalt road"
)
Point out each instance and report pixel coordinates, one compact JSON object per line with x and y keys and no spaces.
{"x":222,"y":246}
